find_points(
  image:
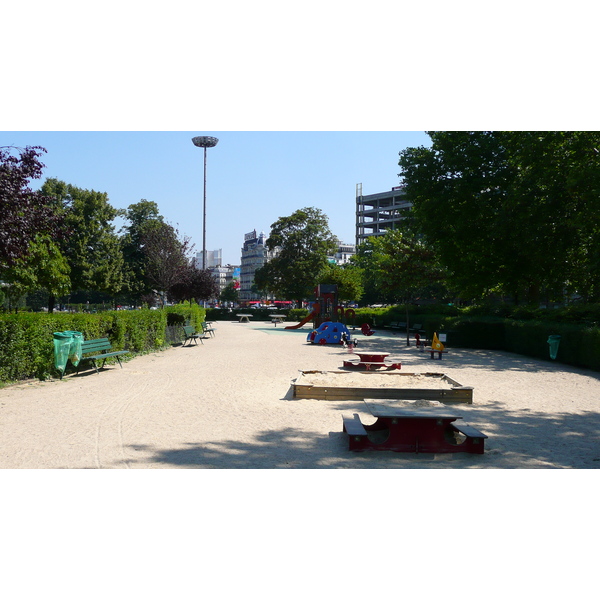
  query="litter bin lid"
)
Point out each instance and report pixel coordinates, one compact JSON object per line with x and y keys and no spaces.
{"x":60,"y":335}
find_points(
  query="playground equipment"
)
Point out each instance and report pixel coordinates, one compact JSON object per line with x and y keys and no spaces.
{"x":330,"y":333}
{"x":326,"y":308}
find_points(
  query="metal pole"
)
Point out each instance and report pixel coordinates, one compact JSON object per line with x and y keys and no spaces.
{"x":204,"y":219}
{"x":204,"y":141}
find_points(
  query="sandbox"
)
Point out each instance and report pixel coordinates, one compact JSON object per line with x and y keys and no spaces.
{"x":358,"y":385}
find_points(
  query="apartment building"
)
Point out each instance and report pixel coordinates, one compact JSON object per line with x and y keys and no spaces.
{"x":254,"y":255}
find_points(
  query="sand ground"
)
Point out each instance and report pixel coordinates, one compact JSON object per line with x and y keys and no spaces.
{"x":228,"y":404}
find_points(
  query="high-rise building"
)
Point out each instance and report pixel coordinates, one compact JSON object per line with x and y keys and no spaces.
{"x":214,"y":258}
{"x":255,"y":254}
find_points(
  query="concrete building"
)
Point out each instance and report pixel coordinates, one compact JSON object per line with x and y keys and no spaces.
{"x":254,"y":255}
{"x":376,"y":213}
{"x":214,"y":258}
{"x":343,"y":253}
{"x":224,"y":275}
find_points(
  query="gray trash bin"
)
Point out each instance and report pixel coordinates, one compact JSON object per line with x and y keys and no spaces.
{"x":553,"y":342}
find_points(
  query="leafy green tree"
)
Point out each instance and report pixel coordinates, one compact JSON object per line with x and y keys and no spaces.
{"x":509,"y":212}
{"x":304,"y":241}
{"x":230,"y":293}
{"x":401,"y":268}
{"x":141,"y":218}
{"x":44,"y":268}
{"x":92,"y":248}
{"x":348,"y":278}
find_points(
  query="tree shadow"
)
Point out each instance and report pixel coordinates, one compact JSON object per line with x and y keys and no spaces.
{"x":496,"y":360}
{"x":527,"y":439}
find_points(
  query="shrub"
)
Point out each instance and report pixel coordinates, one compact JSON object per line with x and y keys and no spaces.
{"x":26,"y":339}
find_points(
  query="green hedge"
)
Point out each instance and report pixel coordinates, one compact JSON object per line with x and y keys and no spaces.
{"x":26,"y":339}
{"x":580,"y":336}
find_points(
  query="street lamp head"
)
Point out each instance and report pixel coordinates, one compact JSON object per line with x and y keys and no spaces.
{"x":205,"y":141}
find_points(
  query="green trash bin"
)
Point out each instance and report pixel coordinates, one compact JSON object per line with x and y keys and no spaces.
{"x":62,"y":348}
{"x":75,"y":349}
{"x":67,"y":345}
{"x":553,"y":342}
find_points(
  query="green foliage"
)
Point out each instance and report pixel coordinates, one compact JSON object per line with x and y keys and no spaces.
{"x":230,"y":293}
{"x":193,"y":314}
{"x":92,"y":248}
{"x":303,"y":242}
{"x":44,"y":268}
{"x":515,"y":213}
{"x":297,"y":314}
{"x":348,"y":279}
{"x":399,"y":266}
{"x":26,"y":348}
{"x":140,"y":218}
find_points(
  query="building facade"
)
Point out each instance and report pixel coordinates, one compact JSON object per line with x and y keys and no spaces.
{"x":255,"y":254}
{"x":214,"y":258}
{"x":376,"y":213}
{"x":343,"y":253}
{"x":224,"y":275}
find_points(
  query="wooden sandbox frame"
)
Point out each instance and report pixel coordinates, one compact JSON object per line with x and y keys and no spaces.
{"x":456,"y":394}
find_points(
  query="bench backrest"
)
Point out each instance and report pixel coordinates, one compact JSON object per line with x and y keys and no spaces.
{"x":189,"y":330}
{"x":95,"y":345}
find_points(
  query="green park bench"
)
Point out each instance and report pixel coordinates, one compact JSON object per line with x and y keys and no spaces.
{"x":101,"y":350}
{"x":190,"y":334}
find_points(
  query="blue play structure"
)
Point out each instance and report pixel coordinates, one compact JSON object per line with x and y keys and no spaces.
{"x":330,"y":333}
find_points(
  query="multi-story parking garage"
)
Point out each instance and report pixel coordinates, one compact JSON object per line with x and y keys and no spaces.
{"x":376,"y":213}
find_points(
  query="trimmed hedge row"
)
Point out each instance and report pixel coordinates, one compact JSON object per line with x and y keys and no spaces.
{"x":26,"y":339}
{"x":579,"y":345}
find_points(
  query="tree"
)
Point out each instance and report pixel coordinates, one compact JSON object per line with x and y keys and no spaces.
{"x":44,"y":268}
{"x":195,"y":284}
{"x":230,"y":293}
{"x":92,"y":247}
{"x":401,"y":268}
{"x":303,"y":241}
{"x":167,"y":263}
{"x":24,"y":213}
{"x":141,"y":217}
{"x":509,"y":212}
{"x":348,"y":278}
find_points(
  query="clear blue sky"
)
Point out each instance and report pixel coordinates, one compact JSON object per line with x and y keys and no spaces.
{"x":253,"y":178}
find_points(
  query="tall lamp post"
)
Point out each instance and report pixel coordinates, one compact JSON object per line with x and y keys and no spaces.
{"x":204,"y":141}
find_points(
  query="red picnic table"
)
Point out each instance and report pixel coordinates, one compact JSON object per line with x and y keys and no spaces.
{"x":371,"y":360}
{"x":412,"y":426}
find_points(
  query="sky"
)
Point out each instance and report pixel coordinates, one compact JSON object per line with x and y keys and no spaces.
{"x":253,"y":178}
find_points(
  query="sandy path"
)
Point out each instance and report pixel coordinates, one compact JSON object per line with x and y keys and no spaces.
{"x":228,"y":404}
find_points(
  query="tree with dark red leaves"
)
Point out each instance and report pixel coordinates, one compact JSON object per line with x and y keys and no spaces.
{"x":24,"y":213}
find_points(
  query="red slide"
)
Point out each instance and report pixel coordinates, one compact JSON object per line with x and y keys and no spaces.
{"x":316,"y":309}
{"x":310,"y":317}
